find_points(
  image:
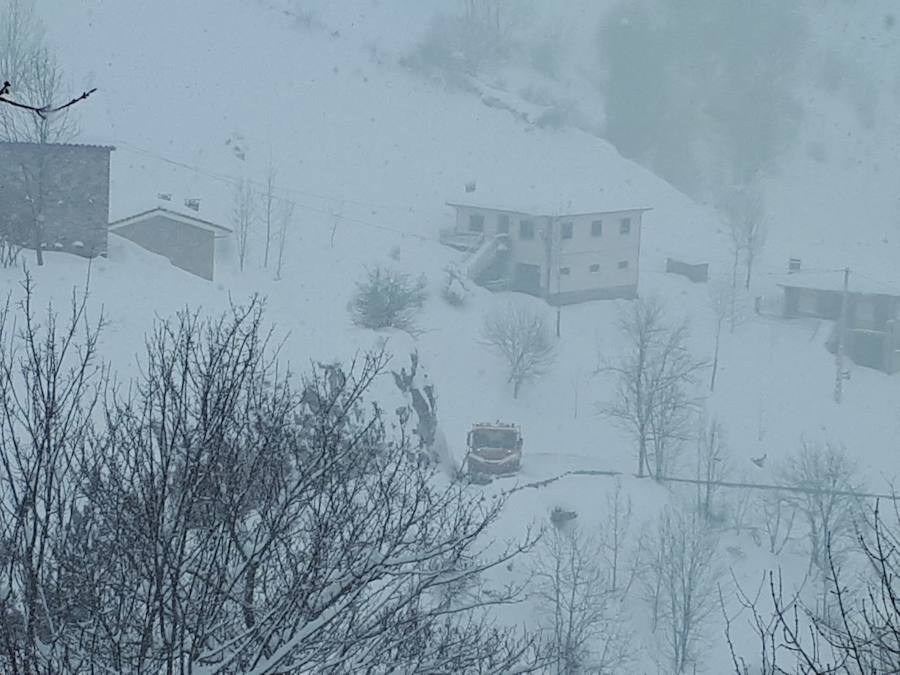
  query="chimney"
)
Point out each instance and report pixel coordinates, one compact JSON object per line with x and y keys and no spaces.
{"x":193,"y":203}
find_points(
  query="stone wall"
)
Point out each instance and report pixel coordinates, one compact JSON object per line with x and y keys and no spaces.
{"x":72,"y":184}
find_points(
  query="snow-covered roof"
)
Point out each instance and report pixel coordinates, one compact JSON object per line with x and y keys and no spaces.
{"x":833,"y":280}
{"x":52,"y":146}
{"x":480,"y":204}
{"x":139,"y":183}
{"x":172,"y":215}
{"x":578,"y":173}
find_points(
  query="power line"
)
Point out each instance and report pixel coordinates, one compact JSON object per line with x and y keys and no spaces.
{"x":305,"y":193}
{"x":234,"y":180}
{"x":699,"y":481}
{"x":840,"y":376}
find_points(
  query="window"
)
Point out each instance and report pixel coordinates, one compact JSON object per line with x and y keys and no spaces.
{"x":625,"y":226}
{"x":502,"y":223}
{"x":595,"y":267}
{"x":597,"y":228}
{"x":526,"y":229}
{"x":623,"y":264}
{"x":565,"y":271}
{"x":476,"y":222}
{"x":566,"y":231}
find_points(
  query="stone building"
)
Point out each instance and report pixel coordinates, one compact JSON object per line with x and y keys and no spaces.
{"x":56,"y":196}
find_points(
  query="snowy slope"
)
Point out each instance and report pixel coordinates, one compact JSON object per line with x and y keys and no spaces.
{"x":369,"y":153}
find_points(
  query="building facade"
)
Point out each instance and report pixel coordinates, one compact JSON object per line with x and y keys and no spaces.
{"x":873,"y":321}
{"x":56,"y":195}
{"x":563,"y":259}
{"x":190,"y":243}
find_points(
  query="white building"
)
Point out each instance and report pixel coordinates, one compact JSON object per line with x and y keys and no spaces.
{"x":563,"y":258}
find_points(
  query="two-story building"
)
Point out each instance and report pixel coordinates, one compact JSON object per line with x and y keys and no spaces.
{"x":563,"y":258}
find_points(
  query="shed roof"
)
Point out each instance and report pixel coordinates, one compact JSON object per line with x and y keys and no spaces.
{"x":172,"y":215}
{"x":52,"y":146}
{"x":833,"y":280}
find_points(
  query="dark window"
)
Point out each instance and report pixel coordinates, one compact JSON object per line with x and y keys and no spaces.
{"x":502,"y":223}
{"x":526,"y":229}
{"x":595,"y":267}
{"x":564,"y":271}
{"x":597,"y":228}
{"x":566,"y":231}
{"x":476,"y":222}
{"x":623,"y":264}
{"x":625,"y":226}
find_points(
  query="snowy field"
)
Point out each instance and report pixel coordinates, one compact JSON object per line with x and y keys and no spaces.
{"x":369,"y":153}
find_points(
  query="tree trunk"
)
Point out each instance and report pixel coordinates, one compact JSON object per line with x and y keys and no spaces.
{"x":268,"y":236}
{"x":749,"y":272}
{"x":715,"y":363}
{"x":642,"y":456}
{"x":249,"y":596}
{"x":38,"y":249}
{"x":732,"y":319}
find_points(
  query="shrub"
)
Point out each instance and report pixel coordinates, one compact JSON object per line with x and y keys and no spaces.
{"x":455,"y":291}
{"x":522,"y":337}
{"x":388,"y":299}
{"x":553,"y":118}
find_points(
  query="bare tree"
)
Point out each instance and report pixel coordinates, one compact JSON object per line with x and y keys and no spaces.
{"x":269,"y":207}
{"x":242,"y":216}
{"x":50,"y":382}
{"x":861,"y":636}
{"x":422,"y":401}
{"x":223,"y":522}
{"x":654,"y":384}
{"x":521,"y":336}
{"x":614,"y":540}
{"x":285,"y":217}
{"x":777,"y":515}
{"x":336,"y":215}
{"x":582,"y":613}
{"x":685,"y":570}
{"x":755,"y":241}
{"x":767,"y":629}
{"x":39,"y":80}
{"x":745,"y":213}
{"x":728,"y":306}
{"x":712,"y":465}
{"x":825,"y":483}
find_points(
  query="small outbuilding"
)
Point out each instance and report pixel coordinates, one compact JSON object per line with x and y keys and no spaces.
{"x":190,"y":243}
{"x":872,"y":312}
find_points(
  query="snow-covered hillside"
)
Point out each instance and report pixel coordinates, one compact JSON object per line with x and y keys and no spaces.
{"x":369,"y":153}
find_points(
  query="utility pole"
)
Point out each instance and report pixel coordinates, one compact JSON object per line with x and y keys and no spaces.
{"x":839,"y":375}
{"x":553,"y":243}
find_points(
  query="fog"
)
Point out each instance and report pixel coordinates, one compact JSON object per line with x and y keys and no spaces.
{"x":449,"y":336}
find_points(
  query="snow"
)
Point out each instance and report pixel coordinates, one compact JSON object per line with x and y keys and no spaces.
{"x":369,"y":154}
{"x":833,"y":280}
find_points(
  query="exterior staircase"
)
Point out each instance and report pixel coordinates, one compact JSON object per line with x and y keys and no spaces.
{"x":485,"y":256}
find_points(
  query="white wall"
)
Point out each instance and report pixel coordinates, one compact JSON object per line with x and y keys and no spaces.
{"x":577,"y":254}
